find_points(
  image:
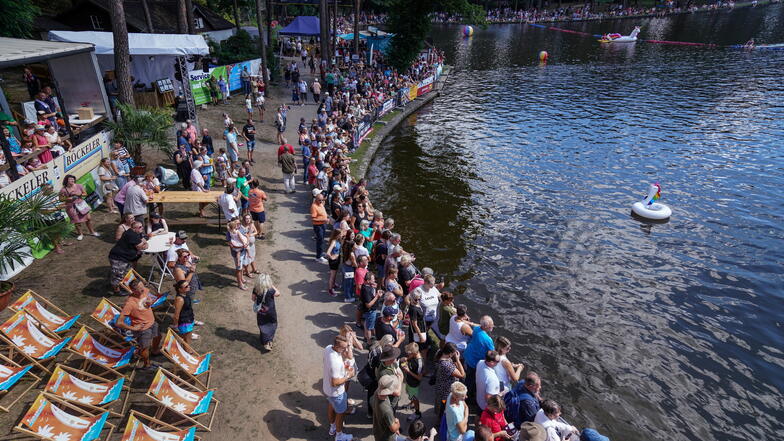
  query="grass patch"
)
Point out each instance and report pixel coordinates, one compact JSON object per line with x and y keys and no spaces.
{"x":359,"y":155}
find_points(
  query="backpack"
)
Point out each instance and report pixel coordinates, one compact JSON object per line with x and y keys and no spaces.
{"x":367,"y":376}
{"x":512,"y":400}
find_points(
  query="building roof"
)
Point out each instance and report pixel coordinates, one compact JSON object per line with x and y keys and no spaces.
{"x":16,"y":51}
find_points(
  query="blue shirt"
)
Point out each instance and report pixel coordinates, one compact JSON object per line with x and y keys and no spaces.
{"x":306,"y":153}
{"x":478,"y":346}
{"x":454,"y":415}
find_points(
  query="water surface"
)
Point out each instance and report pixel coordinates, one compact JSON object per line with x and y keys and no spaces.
{"x":517,"y":185}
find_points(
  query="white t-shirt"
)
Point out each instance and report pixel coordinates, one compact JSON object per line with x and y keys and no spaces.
{"x":228,"y":205}
{"x":502,"y":374}
{"x":486,"y":383}
{"x":556,"y":430}
{"x":429,"y":302}
{"x":333,"y":368}
{"x":171,"y":255}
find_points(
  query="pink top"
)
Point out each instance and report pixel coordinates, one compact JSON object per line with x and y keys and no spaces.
{"x":120,"y":196}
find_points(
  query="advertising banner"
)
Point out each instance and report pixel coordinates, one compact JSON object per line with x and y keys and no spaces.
{"x":412,"y":92}
{"x":425,"y":86}
{"x":387,"y":106}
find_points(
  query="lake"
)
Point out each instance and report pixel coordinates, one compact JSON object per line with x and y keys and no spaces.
{"x":516,"y":185}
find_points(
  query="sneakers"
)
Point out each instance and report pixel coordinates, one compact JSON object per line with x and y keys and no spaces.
{"x":194,"y":336}
{"x":321,"y":260}
{"x":332,"y":293}
{"x":198,"y":323}
{"x":348,"y":300}
{"x":332,"y":430}
{"x":341,"y":436}
{"x":80,"y":237}
{"x":96,"y":234}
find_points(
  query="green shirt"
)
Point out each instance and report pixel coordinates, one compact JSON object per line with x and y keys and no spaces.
{"x":382,"y":370}
{"x":383,"y":418}
{"x":242,"y":185}
{"x":445,"y":313}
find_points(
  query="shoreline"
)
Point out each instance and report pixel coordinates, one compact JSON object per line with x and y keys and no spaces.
{"x":749,"y":4}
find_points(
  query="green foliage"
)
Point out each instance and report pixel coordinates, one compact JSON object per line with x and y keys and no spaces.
{"x":410,"y":21}
{"x":141,"y":128}
{"x":26,"y":220}
{"x":239,"y":47}
{"x":16,"y":18}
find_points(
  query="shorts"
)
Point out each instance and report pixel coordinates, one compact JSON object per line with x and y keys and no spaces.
{"x":259,"y":217}
{"x":244,"y":204}
{"x":370,"y":318}
{"x":144,"y":337}
{"x":339,"y":403}
{"x":413,"y":392}
{"x":250,"y":145}
{"x":185,"y":328}
{"x":334,"y":264}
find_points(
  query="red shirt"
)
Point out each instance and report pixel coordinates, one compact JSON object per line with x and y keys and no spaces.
{"x":312,"y":174}
{"x":494,"y":421}
{"x":285,"y":147}
{"x":359,"y":278}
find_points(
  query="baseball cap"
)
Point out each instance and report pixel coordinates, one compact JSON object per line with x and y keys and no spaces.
{"x":316,"y":192}
{"x":389,"y":311}
{"x":182,"y":235}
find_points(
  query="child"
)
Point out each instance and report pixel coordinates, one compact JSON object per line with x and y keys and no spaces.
{"x":412,"y":368}
{"x":249,"y":106}
{"x":222,"y":165}
{"x":260,"y":105}
{"x":416,"y":432}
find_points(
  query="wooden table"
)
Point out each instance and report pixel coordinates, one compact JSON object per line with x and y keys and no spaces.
{"x":188,"y":197}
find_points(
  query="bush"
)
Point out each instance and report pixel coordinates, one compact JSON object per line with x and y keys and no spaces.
{"x":238,"y":47}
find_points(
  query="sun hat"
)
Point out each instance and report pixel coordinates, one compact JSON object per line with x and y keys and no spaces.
{"x":316,"y":192}
{"x":389,"y":353}
{"x":532,"y":432}
{"x":388,"y":385}
{"x":197,"y":164}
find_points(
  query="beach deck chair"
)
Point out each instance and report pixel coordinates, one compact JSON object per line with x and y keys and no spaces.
{"x":94,"y":392}
{"x":10,"y":375}
{"x":103,"y":352}
{"x":45,"y":312}
{"x":26,"y":338}
{"x":186,"y":360}
{"x":188,"y":402}
{"x":106,"y":314}
{"x":137,"y":430}
{"x":50,"y":418}
{"x":157,"y":299}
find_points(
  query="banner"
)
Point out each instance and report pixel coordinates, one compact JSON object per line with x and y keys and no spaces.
{"x":412,"y":92}
{"x":80,"y":161}
{"x":425,"y":86}
{"x":387,"y":106}
{"x":231,"y":73}
{"x":404,"y":96}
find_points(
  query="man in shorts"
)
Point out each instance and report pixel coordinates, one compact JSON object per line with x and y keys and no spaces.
{"x":336,"y":375}
{"x":143,"y":326}
{"x":249,"y":131}
{"x":256,"y":198}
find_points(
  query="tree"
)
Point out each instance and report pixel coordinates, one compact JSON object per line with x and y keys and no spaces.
{"x":24,"y":220}
{"x":356,"y":26}
{"x":182,"y":17}
{"x":189,"y":17}
{"x":262,"y":46}
{"x":236,"y":11}
{"x":409,"y":20}
{"x":16,"y":20}
{"x":122,"y":57}
{"x":142,"y":128}
{"x":148,"y":17}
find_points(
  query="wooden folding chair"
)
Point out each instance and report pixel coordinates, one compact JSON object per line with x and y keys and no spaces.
{"x":189,"y":402}
{"x":26,"y":338}
{"x":105,"y":353}
{"x":157,"y":299}
{"x":137,"y":430}
{"x":50,"y":418}
{"x":45,"y":312}
{"x":10,"y":374}
{"x":106,"y":313}
{"x":186,"y":360}
{"x":93,"y":392}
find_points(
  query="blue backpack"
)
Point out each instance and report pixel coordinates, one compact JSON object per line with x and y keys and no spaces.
{"x":513,"y":400}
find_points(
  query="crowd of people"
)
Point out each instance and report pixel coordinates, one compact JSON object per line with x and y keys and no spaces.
{"x":585,"y":12}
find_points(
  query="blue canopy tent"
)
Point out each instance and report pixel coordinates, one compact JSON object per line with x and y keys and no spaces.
{"x":302,"y":25}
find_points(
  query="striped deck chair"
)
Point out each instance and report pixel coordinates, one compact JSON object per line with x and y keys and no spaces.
{"x":24,"y":337}
{"x":186,"y":359}
{"x":157,"y":300}
{"x":190,"y":403}
{"x":45,"y":312}
{"x":10,"y":375}
{"x":88,"y":390}
{"x":50,"y":418}
{"x":110,"y":356}
{"x":137,"y":430}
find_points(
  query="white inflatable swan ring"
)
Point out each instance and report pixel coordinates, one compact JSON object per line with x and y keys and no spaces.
{"x":648,"y":208}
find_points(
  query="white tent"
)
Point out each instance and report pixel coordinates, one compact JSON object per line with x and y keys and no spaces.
{"x":152,"y":55}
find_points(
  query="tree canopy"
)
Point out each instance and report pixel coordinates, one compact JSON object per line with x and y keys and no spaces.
{"x":410,"y":21}
{"x":16,"y":19}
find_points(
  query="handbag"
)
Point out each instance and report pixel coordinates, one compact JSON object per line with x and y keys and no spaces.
{"x":81,"y":207}
{"x":259,"y":307}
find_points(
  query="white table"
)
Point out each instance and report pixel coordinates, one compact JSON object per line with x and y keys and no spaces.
{"x":158,"y":246}
{"x":74,"y":119}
